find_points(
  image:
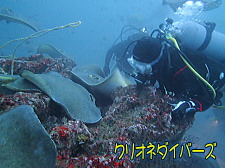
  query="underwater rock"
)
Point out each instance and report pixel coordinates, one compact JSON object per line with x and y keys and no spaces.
{"x":38,"y":64}
{"x":24,"y":143}
{"x":39,"y":101}
{"x":95,"y":161}
{"x":77,"y":102}
{"x":137,"y":117}
{"x":69,"y":137}
{"x":141,"y":116}
{"x":134,"y":117}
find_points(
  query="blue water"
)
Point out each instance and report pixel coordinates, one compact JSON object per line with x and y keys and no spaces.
{"x":102,"y":21}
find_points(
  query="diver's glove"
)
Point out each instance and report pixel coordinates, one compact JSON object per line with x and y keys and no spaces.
{"x":106,"y":70}
{"x":184,"y":108}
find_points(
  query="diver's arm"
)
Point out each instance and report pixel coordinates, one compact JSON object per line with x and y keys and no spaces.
{"x":189,"y":107}
{"x":205,"y":101}
{"x":117,"y":51}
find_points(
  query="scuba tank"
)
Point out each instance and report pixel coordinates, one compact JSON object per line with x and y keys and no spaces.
{"x":201,"y":38}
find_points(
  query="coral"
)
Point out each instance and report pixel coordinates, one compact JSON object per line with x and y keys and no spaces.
{"x":95,"y":161}
{"x":39,"y":101}
{"x":140,"y":116}
{"x":34,"y":35}
{"x":70,"y":137}
{"x":135,"y":116}
{"x":76,"y":148}
{"x":38,"y":64}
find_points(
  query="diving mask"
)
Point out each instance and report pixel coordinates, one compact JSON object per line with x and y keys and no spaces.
{"x":142,"y":67}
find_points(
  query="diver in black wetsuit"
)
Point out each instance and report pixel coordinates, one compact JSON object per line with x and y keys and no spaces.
{"x":160,"y":59}
{"x":119,"y":50}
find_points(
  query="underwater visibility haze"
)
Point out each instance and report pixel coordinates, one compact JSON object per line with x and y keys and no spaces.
{"x":78,"y":110}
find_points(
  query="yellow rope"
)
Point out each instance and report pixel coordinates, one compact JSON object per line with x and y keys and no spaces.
{"x":191,"y":68}
{"x":35,"y":35}
{"x":42,"y":32}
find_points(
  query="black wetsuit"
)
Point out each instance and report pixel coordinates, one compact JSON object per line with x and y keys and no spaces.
{"x":121,"y":51}
{"x":116,"y":52}
{"x":175,"y":76}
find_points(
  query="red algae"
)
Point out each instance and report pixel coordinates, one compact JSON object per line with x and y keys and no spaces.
{"x":135,"y":116}
{"x":140,"y":116}
{"x":39,"y":101}
{"x":38,"y":64}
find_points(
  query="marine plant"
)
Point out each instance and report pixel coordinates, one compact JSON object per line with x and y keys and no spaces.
{"x":34,"y":35}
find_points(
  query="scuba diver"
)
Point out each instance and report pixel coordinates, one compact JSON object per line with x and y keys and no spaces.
{"x":118,"y":50}
{"x":207,"y":4}
{"x":188,"y":74}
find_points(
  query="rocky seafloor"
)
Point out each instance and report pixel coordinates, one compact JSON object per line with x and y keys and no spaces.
{"x":135,"y":117}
